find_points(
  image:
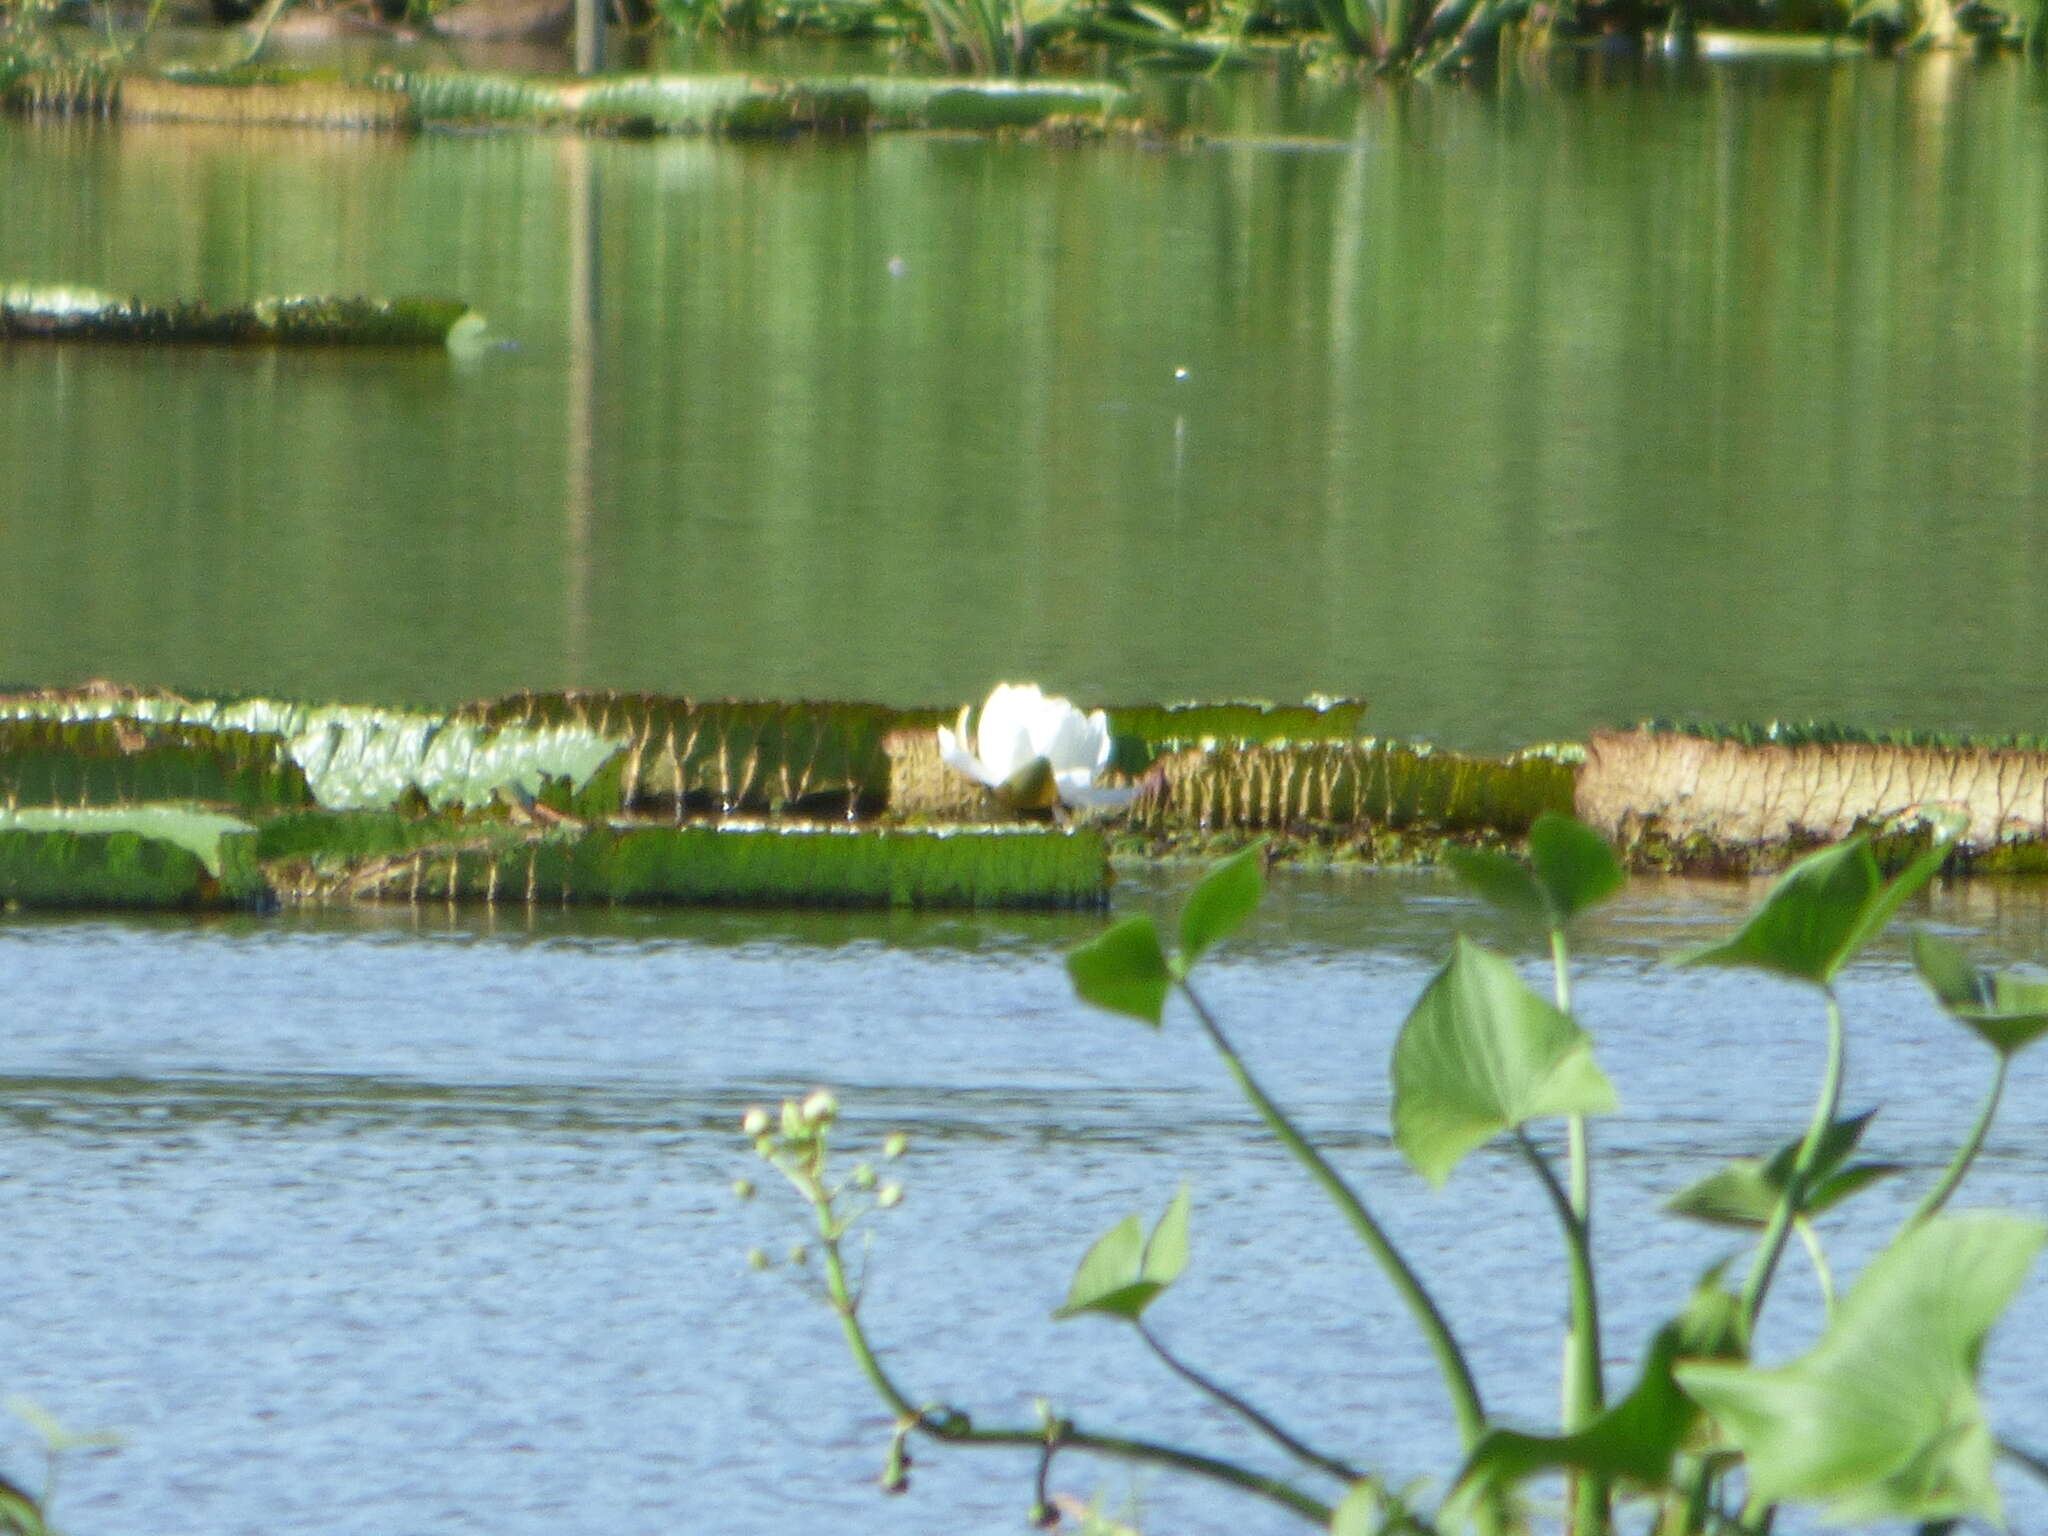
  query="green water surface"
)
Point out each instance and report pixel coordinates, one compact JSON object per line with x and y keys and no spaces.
{"x":1710,"y":391}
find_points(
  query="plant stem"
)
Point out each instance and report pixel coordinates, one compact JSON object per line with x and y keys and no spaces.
{"x":1450,"y":1359}
{"x":1287,"y":1442}
{"x":1585,"y":1393}
{"x":955,"y":1429}
{"x":1966,"y":1154}
{"x":1758,"y":1285}
{"x":1821,"y":1271}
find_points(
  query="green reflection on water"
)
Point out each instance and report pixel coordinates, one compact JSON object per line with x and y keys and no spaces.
{"x":1711,"y":393}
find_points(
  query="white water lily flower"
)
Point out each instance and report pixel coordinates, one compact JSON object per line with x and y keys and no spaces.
{"x":1022,"y":728}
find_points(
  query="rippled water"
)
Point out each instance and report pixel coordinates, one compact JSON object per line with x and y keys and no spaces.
{"x":420,"y":1223}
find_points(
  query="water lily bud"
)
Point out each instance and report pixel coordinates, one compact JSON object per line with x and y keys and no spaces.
{"x":743,"y":1189}
{"x":821,"y":1107}
{"x":755,"y":1121}
{"x":890,"y":1194}
{"x":863,"y":1177}
{"x":894,"y":1145}
{"x":799,"y":1254}
{"x":757,"y":1260}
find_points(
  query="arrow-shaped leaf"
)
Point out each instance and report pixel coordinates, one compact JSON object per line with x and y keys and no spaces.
{"x":1482,"y":1054}
{"x":1745,"y":1192}
{"x":2006,"y":1010}
{"x":1124,"y":1271}
{"x":1881,"y":1419}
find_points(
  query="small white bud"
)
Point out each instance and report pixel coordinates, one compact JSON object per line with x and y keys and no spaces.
{"x":894,"y":1145}
{"x":889,"y":1195}
{"x":755,"y":1121}
{"x":820,"y":1108}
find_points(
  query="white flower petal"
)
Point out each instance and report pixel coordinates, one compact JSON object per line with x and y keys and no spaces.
{"x":1004,"y":740}
{"x":1076,"y":790}
{"x":1098,"y":725}
{"x":1066,"y":740}
{"x":959,"y":759}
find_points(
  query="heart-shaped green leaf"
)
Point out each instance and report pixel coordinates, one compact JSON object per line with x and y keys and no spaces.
{"x":1881,"y":1419}
{"x":1481,"y":1054}
{"x":1570,"y":869}
{"x":2009,"y":1012}
{"x":1504,"y":883}
{"x":1218,"y":906}
{"x":1573,"y":864}
{"x":1123,"y":970}
{"x":1824,"y":909}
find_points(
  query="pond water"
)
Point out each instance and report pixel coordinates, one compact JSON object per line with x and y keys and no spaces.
{"x":1709,"y":393}
{"x":420,"y":1223}
{"x":1518,"y":410}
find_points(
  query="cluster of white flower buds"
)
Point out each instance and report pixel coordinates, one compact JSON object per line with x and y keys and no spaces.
{"x":793,"y":1141}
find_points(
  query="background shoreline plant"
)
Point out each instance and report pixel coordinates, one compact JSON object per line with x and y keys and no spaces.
{"x":1880,"y":1419}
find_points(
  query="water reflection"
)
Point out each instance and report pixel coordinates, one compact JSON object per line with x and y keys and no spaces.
{"x":584,"y":305}
{"x":1516,"y":410}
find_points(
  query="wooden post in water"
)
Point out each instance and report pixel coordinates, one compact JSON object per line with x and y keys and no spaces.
{"x":589,"y":36}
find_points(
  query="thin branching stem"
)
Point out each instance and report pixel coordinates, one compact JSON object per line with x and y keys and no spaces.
{"x":1294,"y":1447}
{"x":955,"y":1429}
{"x":1966,"y":1154}
{"x":1772,"y":1247}
{"x":1450,"y":1359}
